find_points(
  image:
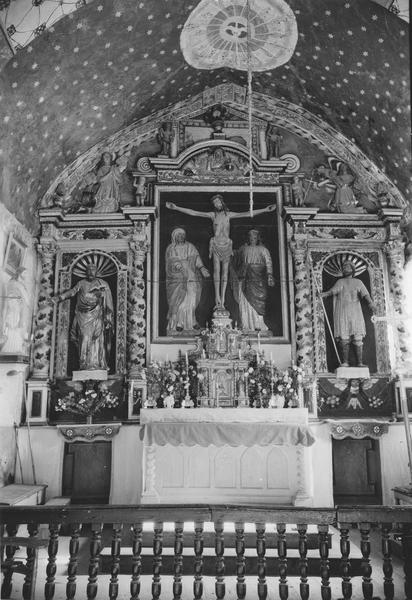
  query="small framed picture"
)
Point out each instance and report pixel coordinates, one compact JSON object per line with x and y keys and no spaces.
{"x":407,"y":385}
{"x":15,"y":254}
{"x":137,"y":397}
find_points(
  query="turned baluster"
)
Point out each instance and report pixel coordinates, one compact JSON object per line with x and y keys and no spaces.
{"x":220,"y":588}
{"x":178,"y":562}
{"x":115,"y":567}
{"x":407,"y":558}
{"x":365,"y":546}
{"x":137,"y":536}
{"x":198,"y":567}
{"x":345,"y":563}
{"x":303,"y":561}
{"x":388,"y":587}
{"x":157,"y":559}
{"x":95,"y":548}
{"x":72,"y":566}
{"x":261,"y":561}
{"x":7,"y":586}
{"x":283,"y":561}
{"x":52,"y":549}
{"x":240,"y":561}
{"x":27,"y":591}
{"x":324,"y":561}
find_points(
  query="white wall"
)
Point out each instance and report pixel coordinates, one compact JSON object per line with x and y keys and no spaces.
{"x":322,"y":465}
{"x":12,"y":375}
{"x":394,"y":461}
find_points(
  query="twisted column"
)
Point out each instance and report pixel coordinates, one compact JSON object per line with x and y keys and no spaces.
{"x":394,"y":250}
{"x":44,"y":317}
{"x":137,"y":302}
{"x":303,"y":305}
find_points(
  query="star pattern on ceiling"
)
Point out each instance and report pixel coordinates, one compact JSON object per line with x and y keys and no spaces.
{"x":113,"y":62}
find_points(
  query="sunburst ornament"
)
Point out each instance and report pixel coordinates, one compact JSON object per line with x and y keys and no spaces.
{"x":260,"y":34}
{"x":334,"y":265}
{"x":104,"y":265}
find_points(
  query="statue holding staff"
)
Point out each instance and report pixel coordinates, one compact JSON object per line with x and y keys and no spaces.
{"x":348,"y":321}
{"x":220,"y":245}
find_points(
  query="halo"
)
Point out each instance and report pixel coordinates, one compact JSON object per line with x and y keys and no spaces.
{"x":333,"y":266}
{"x":104,"y":265}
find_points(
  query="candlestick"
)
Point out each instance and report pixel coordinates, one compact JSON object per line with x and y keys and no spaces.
{"x":259,"y":341}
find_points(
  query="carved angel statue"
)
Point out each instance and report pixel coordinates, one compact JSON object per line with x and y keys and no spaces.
{"x":165,"y":137}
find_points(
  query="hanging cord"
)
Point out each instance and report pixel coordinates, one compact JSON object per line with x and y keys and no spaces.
{"x":249,"y":93}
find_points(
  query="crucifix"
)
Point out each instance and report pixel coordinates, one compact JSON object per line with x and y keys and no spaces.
{"x":392,"y":319}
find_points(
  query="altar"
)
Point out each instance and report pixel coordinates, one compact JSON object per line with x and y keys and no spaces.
{"x":227,"y":455}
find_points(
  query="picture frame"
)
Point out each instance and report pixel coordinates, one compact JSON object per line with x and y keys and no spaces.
{"x":407,"y":384}
{"x":238,"y":199}
{"x":15,"y":254}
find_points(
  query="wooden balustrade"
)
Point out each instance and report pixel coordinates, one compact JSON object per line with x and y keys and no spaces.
{"x":123,"y":527}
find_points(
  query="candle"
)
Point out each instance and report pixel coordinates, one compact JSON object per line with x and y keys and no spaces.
{"x":187,"y":360}
{"x":259,"y":341}
{"x":240,"y":354}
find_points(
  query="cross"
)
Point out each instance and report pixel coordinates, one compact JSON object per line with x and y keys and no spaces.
{"x":392,"y":319}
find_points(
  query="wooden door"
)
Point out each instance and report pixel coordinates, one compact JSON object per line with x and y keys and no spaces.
{"x":356,"y":471}
{"x":87,"y":472}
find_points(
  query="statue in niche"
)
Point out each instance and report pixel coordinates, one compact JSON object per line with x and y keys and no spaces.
{"x":273,"y":140}
{"x":165,"y":137}
{"x":92,"y":327}
{"x":16,"y":317}
{"x":348,"y":321}
{"x":184,"y":272}
{"x":220,"y":245}
{"x":216,"y":160}
{"x":251,"y":276}
{"x":340,"y":179}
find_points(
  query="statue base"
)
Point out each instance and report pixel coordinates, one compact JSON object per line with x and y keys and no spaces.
{"x":90,"y":374}
{"x":352,"y":373}
{"x":221,"y":318}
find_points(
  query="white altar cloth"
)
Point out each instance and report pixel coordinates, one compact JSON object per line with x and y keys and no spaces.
{"x":226,"y":426}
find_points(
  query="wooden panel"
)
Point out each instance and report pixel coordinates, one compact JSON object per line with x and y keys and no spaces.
{"x":87,"y":476}
{"x":356,"y":471}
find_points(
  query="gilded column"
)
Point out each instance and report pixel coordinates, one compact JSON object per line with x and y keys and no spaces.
{"x":303,"y":305}
{"x":137,"y":302}
{"x":44,"y":317}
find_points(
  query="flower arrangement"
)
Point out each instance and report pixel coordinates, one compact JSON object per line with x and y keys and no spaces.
{"x":169,"y":381}
{"x":88,"y":398}
{"x":265,"y":381}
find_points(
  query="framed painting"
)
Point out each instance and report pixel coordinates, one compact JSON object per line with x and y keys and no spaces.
{"x":186,"y":244}
{"x":15,"y":254}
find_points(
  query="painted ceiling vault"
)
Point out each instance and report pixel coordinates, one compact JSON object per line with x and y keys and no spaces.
{"x":113,"y":62}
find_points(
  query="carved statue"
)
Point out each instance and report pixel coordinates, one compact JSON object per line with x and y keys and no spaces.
{"x":184,"y":272}
{"x":251,"y":275}
{"x":273,"y":139}
{"x":298,"y":192}
{"x":220,"y":246}
{"x":92,"y":326}
{"x":108,"y":176}
{"x":348,"y":321}
{"x":165,"y":137}
{"x":342,"y":180}
{"x":16,"y":317}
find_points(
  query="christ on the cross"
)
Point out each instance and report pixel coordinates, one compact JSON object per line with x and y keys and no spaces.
{"x":220,"y":245}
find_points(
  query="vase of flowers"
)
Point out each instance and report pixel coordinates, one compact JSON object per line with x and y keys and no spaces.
{"x":172,"y":380}
{"x":270,"y":387}
{"x":88,"y":398}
